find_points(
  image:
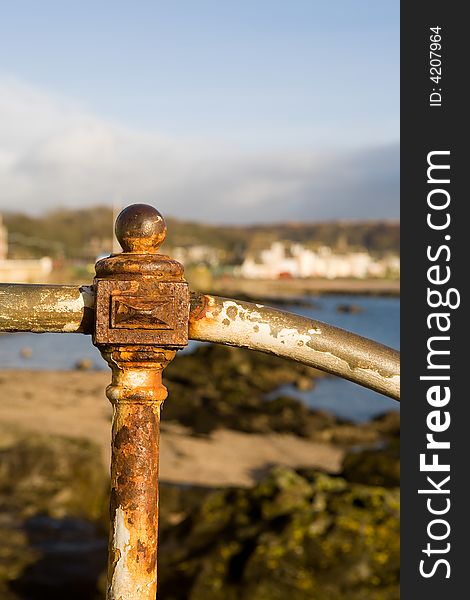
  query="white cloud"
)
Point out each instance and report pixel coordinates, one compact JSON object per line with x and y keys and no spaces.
{"x":53,"y":152}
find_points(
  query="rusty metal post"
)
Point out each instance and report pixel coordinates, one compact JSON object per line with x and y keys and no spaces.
{"x":142,"y":311}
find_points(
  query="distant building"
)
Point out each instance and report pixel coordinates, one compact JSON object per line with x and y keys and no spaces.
{"x":25,"y":270}
{"x":3,"y":240}
{"x":195,"y":255}
{"x":21,"y":270}
{"x":280,"y":260}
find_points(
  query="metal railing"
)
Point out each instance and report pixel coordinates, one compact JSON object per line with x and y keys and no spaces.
{"x":140,"y":311}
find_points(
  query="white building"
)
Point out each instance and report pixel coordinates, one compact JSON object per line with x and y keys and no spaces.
{"x":197,"y":254}
{"x":21,"y":270}
{"x":302,"y":262}
{"x":25,"y":270}
{"x":3,"y":240}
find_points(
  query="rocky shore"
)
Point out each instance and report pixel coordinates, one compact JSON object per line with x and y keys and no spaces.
{"x":259,"y":498}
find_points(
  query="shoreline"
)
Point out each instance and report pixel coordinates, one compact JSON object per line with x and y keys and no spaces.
{"x":73,"y":404}
{"x":289,"y":289}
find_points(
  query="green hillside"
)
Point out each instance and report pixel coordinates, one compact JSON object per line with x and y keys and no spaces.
{"x":82,"y":234}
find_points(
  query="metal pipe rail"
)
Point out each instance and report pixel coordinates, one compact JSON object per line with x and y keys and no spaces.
{"x":41,"y":308}
{"x":70,"y":309}
{"x":139,"y":311}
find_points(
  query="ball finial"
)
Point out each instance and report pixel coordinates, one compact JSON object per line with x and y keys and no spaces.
{"x":140,"y":229}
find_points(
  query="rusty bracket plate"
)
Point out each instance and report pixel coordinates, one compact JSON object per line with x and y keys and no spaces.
{"x":141,"y":312}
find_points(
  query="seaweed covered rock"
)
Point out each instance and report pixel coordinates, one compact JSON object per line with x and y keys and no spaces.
{"x":298,"y":536}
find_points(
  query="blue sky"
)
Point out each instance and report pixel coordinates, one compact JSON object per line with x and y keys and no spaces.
{"x":245,"y":106}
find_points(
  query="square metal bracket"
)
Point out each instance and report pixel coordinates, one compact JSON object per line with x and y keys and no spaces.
{"x":141,"y":312}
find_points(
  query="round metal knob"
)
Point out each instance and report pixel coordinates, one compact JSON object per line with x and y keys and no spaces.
{"x":140,"y":229}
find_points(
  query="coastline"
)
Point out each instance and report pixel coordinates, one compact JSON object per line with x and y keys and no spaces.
{"x":73,"y":404}
{"x":288,"y":289}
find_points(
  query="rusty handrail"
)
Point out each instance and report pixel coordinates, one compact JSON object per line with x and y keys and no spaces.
{"x":70,"y":309}
{"x":40,"y":308}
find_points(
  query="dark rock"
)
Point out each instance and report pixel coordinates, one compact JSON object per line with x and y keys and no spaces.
{"x":374,"y":466}
{"x":387,"y":424}
{"x":347,"y":434}
{"x":218,"y":386}
{"x":351,"y":309}
{"x":84,"y":364}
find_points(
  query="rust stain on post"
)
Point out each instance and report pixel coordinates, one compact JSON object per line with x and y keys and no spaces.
{"x":142,"y":308}
{"x":137,"y":394}
{"x":134,"y":501}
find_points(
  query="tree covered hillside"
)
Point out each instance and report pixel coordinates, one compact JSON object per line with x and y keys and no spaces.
{"x":82,"y":234}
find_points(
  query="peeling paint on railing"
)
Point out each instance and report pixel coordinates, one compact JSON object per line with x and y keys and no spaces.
{"x":254,"y":326}
{"x":46,"y":308}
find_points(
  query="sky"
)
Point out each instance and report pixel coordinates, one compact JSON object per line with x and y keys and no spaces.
{"x":211,"y":110}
